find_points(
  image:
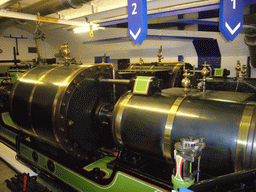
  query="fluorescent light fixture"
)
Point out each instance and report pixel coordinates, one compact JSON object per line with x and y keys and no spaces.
{"x":3,"y":2}
{"x":82,"y":29}
{"x":87,"y":27}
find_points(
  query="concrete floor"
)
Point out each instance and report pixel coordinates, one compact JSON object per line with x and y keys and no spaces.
{"x":5,"y":173}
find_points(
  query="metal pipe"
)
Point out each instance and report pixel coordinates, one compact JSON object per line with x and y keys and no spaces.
{"x":9,"y":61}
{"x":114,"y":77}
{"x":30,"y":17}
{"x":45,"y":7}
{"x":198,"y":169}
{"x":250,"y":85}
{"x":237,"y":85}
{"x":160,"y":63}
{"x":223,"y":180}
{"x":211,"y":71}
{"x":250,"y":41}
{"x":204,"y":86}
{"x":154,"y":11}
{"x":115,"y":81}
{"x":14,"y":55}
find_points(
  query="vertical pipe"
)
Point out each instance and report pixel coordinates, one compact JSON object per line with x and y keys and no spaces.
{"x":248,"y":67}
{"x":250,"y":40}
{"x":14,"y":55}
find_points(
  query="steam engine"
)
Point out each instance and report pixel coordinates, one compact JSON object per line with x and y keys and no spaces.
{"x":68,"y":121}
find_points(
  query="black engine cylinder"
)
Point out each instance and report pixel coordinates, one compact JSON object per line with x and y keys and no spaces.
{"x":56,"y":104}
{"x":153,"y":124}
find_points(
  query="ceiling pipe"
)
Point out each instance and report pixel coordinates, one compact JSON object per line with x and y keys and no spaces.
{"x":44,"y":7}
{"x":30,"y":17}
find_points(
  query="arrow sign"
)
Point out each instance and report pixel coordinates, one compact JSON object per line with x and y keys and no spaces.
{"x":137,"y":20}
{"x":231,"y":18}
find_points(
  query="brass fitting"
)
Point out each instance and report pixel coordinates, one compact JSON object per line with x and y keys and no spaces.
{"x":104,"y":58}
{"x":186,"y":82}
{"x":238,"y":68}
{"x":141,"y":61}
{"x":244,"y":71}
{"x":204,"y":73}
{"x":65,"y":52}
{"x":160,"y":54}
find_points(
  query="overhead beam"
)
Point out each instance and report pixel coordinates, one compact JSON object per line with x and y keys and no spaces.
{"x":167,"y":13}
{"x":153,"y":37}
{"x":154,"y":7}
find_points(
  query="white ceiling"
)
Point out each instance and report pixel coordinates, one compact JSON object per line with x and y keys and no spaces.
{"x":98,"y":11}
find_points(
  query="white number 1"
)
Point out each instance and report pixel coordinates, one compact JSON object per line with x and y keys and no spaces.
{"x":234,"y":4}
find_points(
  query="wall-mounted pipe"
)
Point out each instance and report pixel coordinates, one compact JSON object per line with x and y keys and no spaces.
{"x":45,"y":7}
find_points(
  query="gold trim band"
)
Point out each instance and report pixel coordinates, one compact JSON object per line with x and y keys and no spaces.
{"x":169,"y":125}
{"x":31,"y":99}
{"x":118,"y":118}
{"x":242,"y":139}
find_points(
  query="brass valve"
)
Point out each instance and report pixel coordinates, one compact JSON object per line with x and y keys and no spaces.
{"x":141,"y":62}
{"x":160,"y":54}
{"x":186,"y":82}
{"x":65,"y":52}
{"x":204,"y":73}
{"x":104,"y":58}
{"x":244,"y":71}
{"x":238,"y":68}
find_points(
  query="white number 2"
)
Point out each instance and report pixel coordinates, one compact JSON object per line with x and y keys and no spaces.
{"x":234,"y":4}
{"x":134,"y":12}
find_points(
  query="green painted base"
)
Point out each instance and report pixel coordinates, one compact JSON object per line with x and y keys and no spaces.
{"x":102,"y":164}
{"x":7,"y":120}
{"x":177,"y":184}
{"x":121,"y":181}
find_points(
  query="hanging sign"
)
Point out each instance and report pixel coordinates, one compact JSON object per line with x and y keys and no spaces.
{"x":137,"y":20}
{"x":231,"y":18}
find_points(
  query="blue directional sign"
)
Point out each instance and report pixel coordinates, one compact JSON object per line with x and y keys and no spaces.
{"x":231,"y":18}
{"x":137,"y":20}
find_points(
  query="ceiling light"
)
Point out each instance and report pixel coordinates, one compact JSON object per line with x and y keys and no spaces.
{"x":87,"y":27}
{"x":82,"y":29}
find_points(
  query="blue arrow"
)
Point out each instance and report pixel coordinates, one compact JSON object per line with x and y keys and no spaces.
{"x":232,"y":31}
{"x":137,"y":20}
{"x":231,"y":18}
{"x":135,"y":36}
